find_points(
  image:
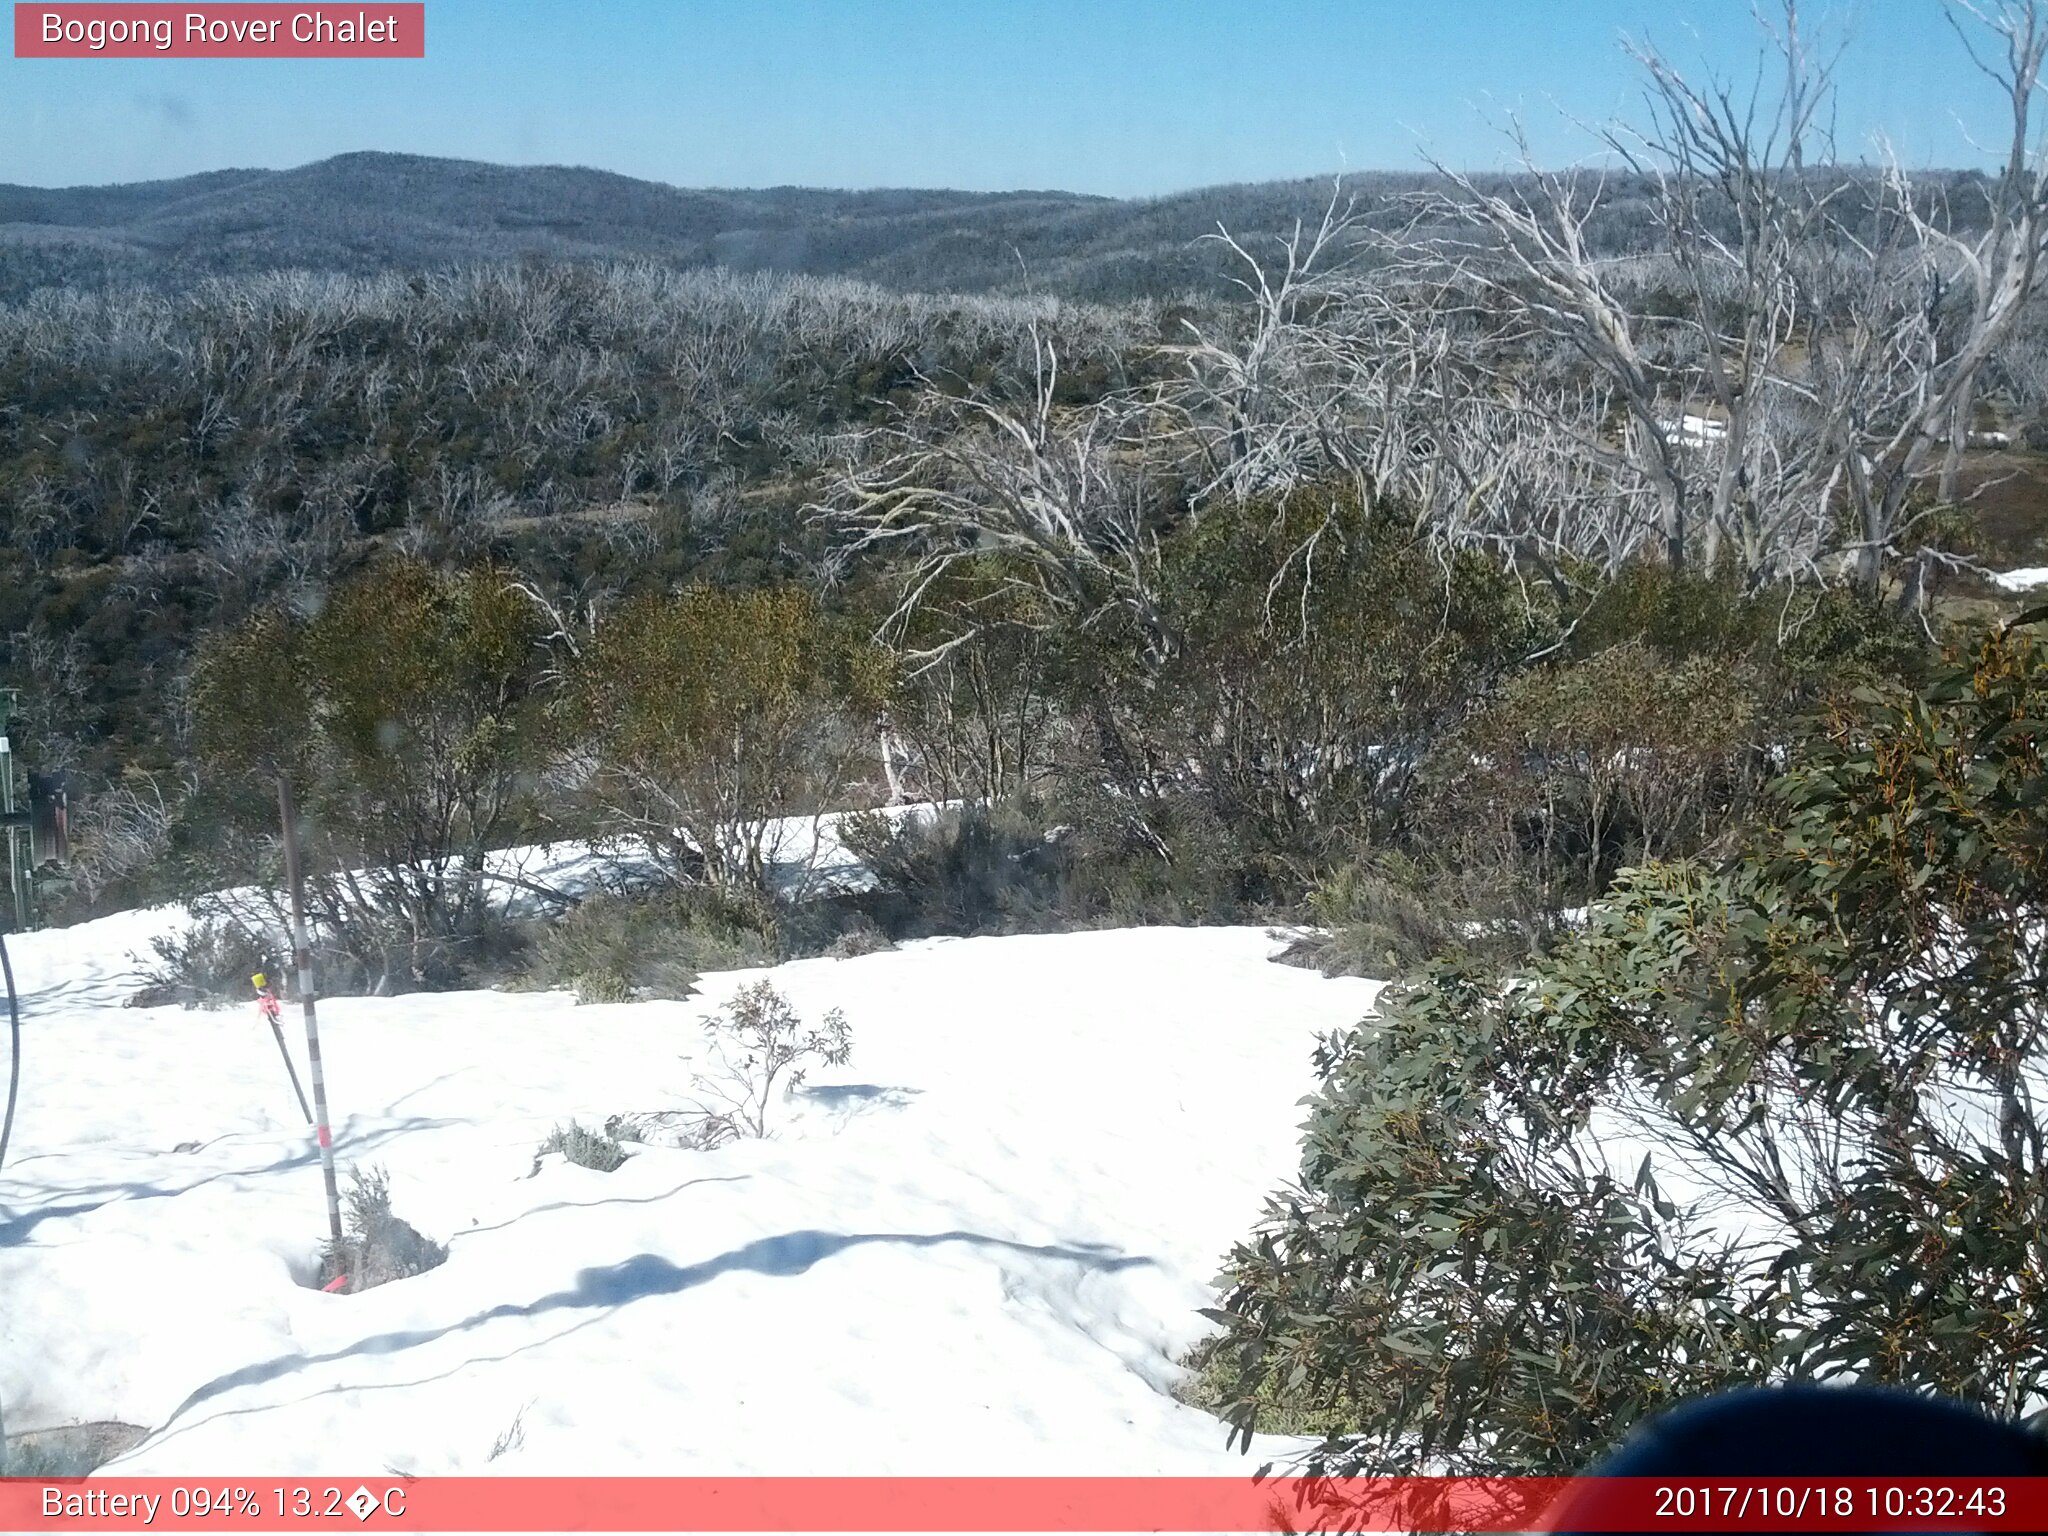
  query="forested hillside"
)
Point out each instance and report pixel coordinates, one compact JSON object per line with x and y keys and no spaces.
{"x":374,"y":213}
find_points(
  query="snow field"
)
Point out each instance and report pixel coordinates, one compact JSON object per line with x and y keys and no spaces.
{"x":977,"y":1249}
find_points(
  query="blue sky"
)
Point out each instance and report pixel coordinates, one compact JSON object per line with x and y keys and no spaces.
{"x":1123,"y":97}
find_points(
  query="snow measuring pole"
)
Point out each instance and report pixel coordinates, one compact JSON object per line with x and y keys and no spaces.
{"x":302,"y":965}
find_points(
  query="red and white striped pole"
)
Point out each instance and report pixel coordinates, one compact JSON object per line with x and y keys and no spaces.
{"x":302,"y":963}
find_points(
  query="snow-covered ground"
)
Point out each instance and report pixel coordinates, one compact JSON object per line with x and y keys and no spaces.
{"x":804,"y":855}
{"x":2023,"y":580}
{"x":977,"y":1249}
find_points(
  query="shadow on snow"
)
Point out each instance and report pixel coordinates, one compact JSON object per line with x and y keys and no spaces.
{"x":644,"y":1275}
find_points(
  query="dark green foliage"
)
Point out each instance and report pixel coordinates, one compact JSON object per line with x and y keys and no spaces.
{"x":1263,"y":718}
{"x":1380,"y":917}
{"x":974,"y":869}
{"x":1892,"y":952}
{"x":1012,"y":869}
{"x":253,"y":696}
{"x":1449,"y":1290}
{"x":1575,"y":770}
{"x":1680,"y":614}
{"x":1315,"y":691}
{"x":1319,"y":653}
{"x":1836,"y":1031}
{"x":1800,"y":643}
{"x":1647,"y":735}
{"x":1165,"y":858}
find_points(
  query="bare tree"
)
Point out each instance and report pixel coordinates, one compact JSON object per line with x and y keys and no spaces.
{"x":1997,"y":267}
{"x":1061,"y":492}
{"x":122,"y":831}
{"x":1265,"y":408}
{"x":1820,"y":361}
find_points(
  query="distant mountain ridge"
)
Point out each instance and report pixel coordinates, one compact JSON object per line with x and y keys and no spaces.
{"x":376,"y":212}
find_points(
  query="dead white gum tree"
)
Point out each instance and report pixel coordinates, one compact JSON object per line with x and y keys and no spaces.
{"x":1833,"y":330}
{"x":1060,"y":491}
{"x":1783,"y":385}
{"x":1997,"y":268}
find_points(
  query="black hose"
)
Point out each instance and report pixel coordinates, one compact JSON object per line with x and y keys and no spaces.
{"x":14,"y":1054}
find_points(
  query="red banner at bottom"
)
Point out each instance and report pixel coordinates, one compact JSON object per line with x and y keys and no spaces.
{"x":1019,"y":1504}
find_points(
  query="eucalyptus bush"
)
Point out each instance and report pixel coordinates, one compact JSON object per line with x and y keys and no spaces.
{"x":412,"y":715}
{"x":1775,"y":1117}
{"x":712,"y":715}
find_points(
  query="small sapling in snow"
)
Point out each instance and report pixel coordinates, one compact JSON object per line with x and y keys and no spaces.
{"x":757,"y":1042}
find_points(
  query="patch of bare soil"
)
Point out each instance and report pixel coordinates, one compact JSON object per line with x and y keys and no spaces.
{"x":2009,"y":488}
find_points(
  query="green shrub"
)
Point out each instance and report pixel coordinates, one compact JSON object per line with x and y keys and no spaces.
{"x":1833,"y":1034}
{"x":410,"y":714}
{"x":1578,"y":769}
{"x":711,"y":713}
{"x":1678,"y":614}
{"x":207,"y":965}
{"x":979,"y":720}
{"x":1800,"y":643}
{"x":612,"y":949}
{"x":977,"y":869}
{"x":585,"y":1148}
{"x":1168,"y":860}
{"x":1013,"y":869}
{"x":1319,"y":651}
{"x":1380,"y":917}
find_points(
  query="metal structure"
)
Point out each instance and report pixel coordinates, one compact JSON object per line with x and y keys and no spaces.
{"x":38,"y":831}
{"x":49,"y":822}
{"x":13,"y":821}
